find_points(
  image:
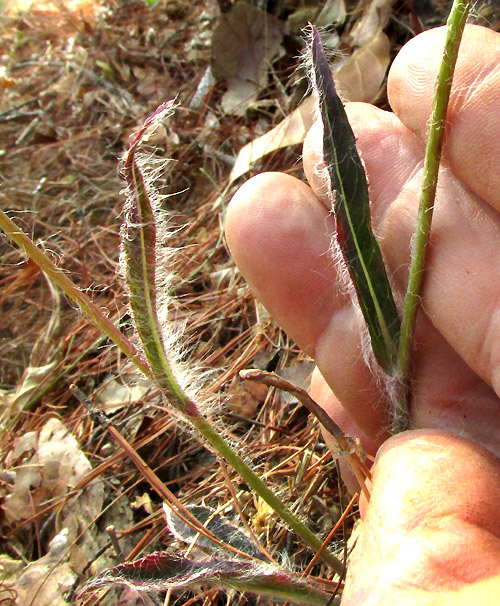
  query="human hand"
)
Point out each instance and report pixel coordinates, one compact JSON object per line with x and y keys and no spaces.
{"x":279,"y":233}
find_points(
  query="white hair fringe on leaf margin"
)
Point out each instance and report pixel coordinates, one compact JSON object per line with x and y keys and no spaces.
{"x":387,"y":383}
{"x":190,"y":377}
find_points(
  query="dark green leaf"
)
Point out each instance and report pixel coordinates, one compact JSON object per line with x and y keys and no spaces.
{"x":220,"y":527}
{"x":359,"y":247}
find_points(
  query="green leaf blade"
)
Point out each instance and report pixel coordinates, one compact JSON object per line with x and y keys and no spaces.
{"x":356,"y":241}
{"x":139,"y":258}
{"x":222,"y":529}
{"x":161,"y":572}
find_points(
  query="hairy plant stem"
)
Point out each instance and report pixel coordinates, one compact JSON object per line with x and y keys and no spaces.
{"x":455,"y":27}
{"x":238,"y":464}
{"x":210,"y":434}
{"x":141,"y":259}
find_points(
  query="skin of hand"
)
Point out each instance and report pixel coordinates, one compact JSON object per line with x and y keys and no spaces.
{"x":431,"y":531}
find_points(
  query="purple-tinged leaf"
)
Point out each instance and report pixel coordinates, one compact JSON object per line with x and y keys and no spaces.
{"x":356,"y":241}
{"x":161,"y":571}
{"x":223,"y":530}
{"x":139,"y":259}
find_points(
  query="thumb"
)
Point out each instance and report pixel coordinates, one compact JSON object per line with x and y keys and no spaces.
{"x":432,"y":527}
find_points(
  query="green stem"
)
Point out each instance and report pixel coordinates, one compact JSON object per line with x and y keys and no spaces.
{"x":211,"y":435}
{"x":455,"y":27}
{"x":218,"y":443}
{"x":305,"y":596}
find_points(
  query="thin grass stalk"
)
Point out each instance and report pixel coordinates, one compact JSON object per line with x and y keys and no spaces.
{"x":455,"y":27}
{"x":58,"y":277}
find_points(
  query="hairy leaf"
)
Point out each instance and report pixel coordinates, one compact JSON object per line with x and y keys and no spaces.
{"x":139,"y":257}
{"x":222,"y":529}
{"x":160,"y":572}
{"x":359,"y":247}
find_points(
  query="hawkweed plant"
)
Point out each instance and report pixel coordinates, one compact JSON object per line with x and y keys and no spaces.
{"x":231,"y":560}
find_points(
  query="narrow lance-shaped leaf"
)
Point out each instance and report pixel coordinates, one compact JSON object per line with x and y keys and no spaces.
{"x":139,"y":258}
{"x":220,"y":527}
{"x":161,"y":571}
{"x":359,"y":247}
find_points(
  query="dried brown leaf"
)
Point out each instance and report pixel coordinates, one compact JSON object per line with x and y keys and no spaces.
{"x":244,"y":44}
{"x":372,"y":22}
{"x":32,"y":381}
{"x":45,"y":581}
{"x":333,"y":11}
{"x":244,"y":397}
{"x":359,"y":79}
{"x":47,"y":464}
{"x":115,"y":393}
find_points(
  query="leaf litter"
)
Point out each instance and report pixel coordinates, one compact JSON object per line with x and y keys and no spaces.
{"x":359,"y":78}
{"x":245,"y":42}
{"x":75,"y":85}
